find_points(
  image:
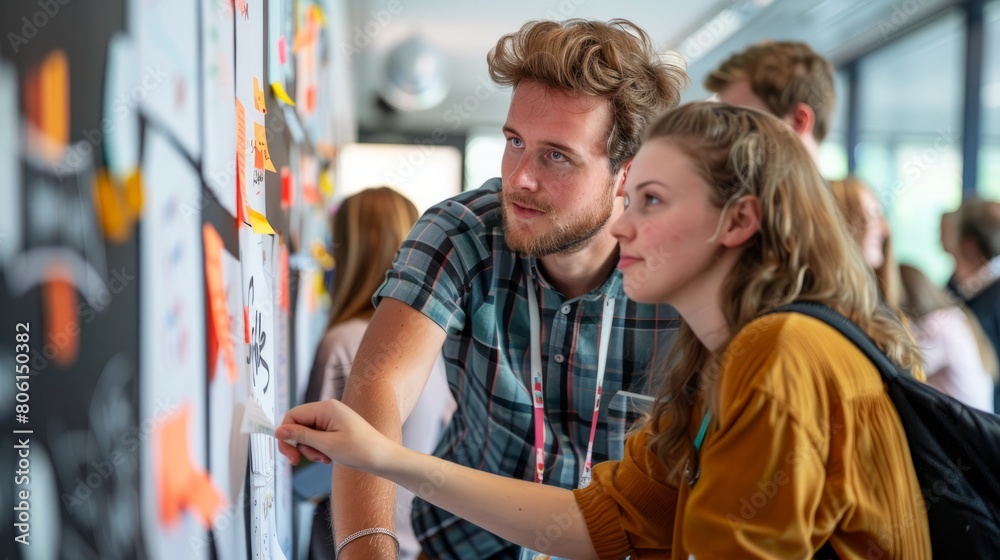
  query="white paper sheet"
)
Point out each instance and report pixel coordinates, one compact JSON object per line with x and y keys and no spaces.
{"x":172,"y":333}
{"x":228,"y":446}
{"x":218,"y":68}
{"x":10,"y":165}
{"x":168,"y":62}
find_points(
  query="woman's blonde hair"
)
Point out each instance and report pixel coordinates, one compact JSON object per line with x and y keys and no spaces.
{"x":920,"y":296}
{"x":368,"y":230}
{"x":615,"y":60}
{"x":848,"y":195}
{"x":801,"y":252}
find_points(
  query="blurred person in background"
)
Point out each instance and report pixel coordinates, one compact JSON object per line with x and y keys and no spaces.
{"x":867,"y":225}
{"x":368,"y":229}
{"x":977,"y":266}
{"x":958,"y":358}
{"x":787,"y":79}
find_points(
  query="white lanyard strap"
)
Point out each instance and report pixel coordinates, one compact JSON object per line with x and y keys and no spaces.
{"x":538,"y":398}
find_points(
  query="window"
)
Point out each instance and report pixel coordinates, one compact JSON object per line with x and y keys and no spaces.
{"x":989,"y":155}
{"x":910,"y":143}
{"x":832,"y":152}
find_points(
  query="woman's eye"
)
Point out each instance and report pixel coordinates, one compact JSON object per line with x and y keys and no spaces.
{"x":651,"y":200}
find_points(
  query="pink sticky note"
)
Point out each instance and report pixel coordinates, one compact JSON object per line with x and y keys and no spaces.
{"x":282,"y":54}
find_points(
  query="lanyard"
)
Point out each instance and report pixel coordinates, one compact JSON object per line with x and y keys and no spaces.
{"x":536,"y":381}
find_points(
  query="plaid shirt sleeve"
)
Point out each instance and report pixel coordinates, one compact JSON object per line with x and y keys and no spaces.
{"x":429,"y":271}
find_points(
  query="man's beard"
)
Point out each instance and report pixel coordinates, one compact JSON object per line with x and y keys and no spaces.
{"x":568,"y":233}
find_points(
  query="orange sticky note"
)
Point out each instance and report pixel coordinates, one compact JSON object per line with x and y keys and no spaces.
{"x":287,"y":193}
{"x":279,"y":92}
{"x":260,"y":144}
{"x":62,"y":323}
{"x":284,"y":296}
{"x":240,"y":6}
{"x":241,"y":162}
{"x":219,"y":322}
{"x":181,"y":484}
{"x":114,"y":219}
{"x":54,"y":77}
{"x":246,"y":324}
{"x":259,"y":223}
{"x":258,"y":97}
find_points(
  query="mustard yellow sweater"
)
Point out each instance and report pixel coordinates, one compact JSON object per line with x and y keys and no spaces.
{"x":807,"y":447}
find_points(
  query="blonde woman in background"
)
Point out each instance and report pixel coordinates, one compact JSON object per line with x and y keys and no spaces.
{"x":868,"y":227}
{"x":958,"y":358}
{"x":368,"y":229}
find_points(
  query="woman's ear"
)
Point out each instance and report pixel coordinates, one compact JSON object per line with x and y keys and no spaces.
{"x":742,"y":222}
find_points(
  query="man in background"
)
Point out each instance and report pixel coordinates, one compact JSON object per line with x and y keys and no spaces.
{"x":788,"y":80}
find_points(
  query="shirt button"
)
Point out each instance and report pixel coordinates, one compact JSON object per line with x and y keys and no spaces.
{"x":559,"y":358}
{"x":565,"y":309}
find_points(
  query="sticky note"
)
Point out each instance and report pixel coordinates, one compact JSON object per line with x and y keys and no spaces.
{"x":219,"y":322}
{"x":62,"y":322}
{"x":284,"y":295}
{"x":325,"y":184}
{"x":246,"y":324}
{"x":258,"y":97}
{"x":54,"y":82}
{"x":240,"y":6}
{"x":241,"y":162}
{"x":182,"y":485}
{"x":282,"y":46}
{"x":259,"y":223}
{"x":133,"y":192}
{"x":317,"y":15}
{"x":281,"y":94}
{"x":287,"y":195}
{"x":113,"y":218}
{"x":260,"y":144}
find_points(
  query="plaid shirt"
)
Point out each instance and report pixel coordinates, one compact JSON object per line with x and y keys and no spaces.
{"x":456,"y":269}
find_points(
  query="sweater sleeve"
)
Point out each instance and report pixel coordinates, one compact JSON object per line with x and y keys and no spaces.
{"x":626,"y":507}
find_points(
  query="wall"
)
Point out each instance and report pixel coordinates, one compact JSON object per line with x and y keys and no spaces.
{"x":164,"y":181}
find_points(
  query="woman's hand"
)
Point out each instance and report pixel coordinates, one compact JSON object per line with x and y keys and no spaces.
{"x":330,"y":430}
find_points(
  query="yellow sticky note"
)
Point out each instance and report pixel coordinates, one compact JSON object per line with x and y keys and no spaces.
{"x":258,"y":97}
{"x":325,"y":184}
{"x":260,"y":144}
{"x":281,"y":94}
{"x":259,"y":222}
{"x":317,"y":14}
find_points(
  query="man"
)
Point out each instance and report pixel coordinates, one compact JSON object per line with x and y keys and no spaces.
{"x":477,"y":267}
{"x":976,"y":249}
{"x":786,"y":79}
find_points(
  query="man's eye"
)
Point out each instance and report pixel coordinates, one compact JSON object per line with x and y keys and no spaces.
{"x":626,"y":201}
{"x":515,"y":142}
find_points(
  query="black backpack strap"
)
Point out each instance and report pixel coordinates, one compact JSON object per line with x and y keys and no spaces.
{"x":846,"y":327}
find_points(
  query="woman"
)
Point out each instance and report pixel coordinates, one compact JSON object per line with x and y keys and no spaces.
{"x":867,"y":225}
{"x":368,"y":229}
{"x":773,"y":434}
{"x":958,"y":358}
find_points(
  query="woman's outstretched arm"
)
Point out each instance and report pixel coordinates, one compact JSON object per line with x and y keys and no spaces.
{"x":532,"y":515}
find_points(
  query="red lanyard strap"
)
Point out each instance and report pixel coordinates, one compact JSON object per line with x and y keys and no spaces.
{"x":538,"y":397}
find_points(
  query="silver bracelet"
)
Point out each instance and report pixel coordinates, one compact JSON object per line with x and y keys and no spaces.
{"x":365,"y":533}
